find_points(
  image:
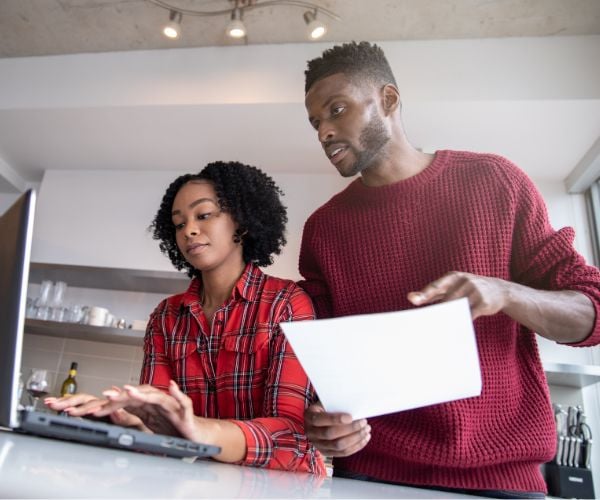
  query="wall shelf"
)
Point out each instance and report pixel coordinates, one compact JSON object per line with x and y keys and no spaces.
{"x":570,"y":375}
{"x":108,"y":278}
{"x":84,"y":332}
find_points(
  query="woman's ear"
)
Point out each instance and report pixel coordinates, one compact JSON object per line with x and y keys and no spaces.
{"x":391,"y":99}
{"x":239,"y":234}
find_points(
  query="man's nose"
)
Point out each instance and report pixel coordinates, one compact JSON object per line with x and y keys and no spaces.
{"x":326,"y":132}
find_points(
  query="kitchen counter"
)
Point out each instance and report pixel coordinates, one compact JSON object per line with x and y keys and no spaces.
{"x":34,"y":467}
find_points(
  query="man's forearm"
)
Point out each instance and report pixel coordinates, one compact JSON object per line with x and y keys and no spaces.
{"x":563,"y":316}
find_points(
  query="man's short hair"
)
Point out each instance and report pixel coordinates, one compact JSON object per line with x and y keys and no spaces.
{"x":363,"y":62}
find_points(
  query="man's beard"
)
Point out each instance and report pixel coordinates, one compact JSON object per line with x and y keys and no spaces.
{"x":372,"y":139}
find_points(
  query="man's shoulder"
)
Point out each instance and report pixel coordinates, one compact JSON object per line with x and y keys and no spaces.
{"x":478,"y":161}
{"x":485,"y":166}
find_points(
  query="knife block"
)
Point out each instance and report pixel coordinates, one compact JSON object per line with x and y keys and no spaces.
{"x":569,"y":482}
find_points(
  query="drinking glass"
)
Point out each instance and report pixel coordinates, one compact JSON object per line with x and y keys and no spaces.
{"x":37,"y":385}
{"x":42,"y":303}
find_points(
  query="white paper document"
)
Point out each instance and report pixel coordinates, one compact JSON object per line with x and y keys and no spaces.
{"x":374,"y":364}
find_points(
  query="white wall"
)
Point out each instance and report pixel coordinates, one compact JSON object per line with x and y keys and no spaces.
{"x":6,"y":200}
{"x":100,"y":218}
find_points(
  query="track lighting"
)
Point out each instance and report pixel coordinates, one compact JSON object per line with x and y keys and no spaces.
{"x":173,"y":28}
{"x":314,"y":28}
{"x":236,"y":28}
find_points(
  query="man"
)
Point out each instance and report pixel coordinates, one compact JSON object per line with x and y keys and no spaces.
{"x":415,"y":229}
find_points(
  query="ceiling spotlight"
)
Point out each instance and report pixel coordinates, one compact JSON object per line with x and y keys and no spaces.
{"x":315,"y":28}
{"x":236,"y":28}
{"x":173,"y":28}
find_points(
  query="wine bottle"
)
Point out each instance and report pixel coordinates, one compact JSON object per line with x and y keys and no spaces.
{"x":69,"y":386}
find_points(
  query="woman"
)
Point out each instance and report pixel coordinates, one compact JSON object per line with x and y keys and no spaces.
{"x":217,"y":369}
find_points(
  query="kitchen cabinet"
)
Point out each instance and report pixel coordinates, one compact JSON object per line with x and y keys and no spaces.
{"x":87,"y":332}
{"x":118,"y":279}
{"x":167,"y":282}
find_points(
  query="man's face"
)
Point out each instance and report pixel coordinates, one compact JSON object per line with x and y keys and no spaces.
{"x":347,"y":119}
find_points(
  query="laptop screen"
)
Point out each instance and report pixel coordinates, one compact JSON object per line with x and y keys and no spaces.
{"x":16,"y":230}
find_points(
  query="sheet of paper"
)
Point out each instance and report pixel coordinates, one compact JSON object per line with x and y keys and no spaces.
{"x":374,"y":364}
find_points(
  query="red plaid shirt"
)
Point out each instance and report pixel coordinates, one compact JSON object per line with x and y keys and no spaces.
{"x":242,"y":368}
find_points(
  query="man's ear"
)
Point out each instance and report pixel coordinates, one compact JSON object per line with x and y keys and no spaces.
{"x":391,"y":99}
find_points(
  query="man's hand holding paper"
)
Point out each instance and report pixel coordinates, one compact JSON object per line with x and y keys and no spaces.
{"x":414,"y":358}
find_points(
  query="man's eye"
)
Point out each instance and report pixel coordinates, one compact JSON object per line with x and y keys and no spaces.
{"x":337,"y":110}
{"x":315,"y":125}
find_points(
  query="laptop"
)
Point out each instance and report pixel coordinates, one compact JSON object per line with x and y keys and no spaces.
{"x":16,"y":228}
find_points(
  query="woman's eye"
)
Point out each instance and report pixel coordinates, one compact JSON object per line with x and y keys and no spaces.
{"x":179,"y":226}
{"x":204,"y":216}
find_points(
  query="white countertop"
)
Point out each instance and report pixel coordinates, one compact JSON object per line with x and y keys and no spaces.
{"x":34,"y":467}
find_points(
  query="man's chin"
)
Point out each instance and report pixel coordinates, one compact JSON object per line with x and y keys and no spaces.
{"x":351,"y":171}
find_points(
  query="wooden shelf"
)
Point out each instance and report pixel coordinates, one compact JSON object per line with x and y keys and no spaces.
{"x":108,"y":278}
{"x":570,"y":375}
{"x":84,"y":332}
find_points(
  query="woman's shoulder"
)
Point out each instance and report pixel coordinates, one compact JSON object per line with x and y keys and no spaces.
{"x":283,"y":285}
{"x":285,"y":291}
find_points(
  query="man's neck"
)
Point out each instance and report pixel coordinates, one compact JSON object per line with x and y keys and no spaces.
{"x":401,"y":162}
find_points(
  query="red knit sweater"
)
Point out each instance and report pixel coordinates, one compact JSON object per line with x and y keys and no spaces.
{"x":366,"y":248}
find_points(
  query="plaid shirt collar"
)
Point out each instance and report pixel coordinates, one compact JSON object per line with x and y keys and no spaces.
{"x":246,"y":288}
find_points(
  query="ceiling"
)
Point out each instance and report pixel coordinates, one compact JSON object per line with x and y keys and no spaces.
{"x":43,"y":27}
{"x":39,"y":134}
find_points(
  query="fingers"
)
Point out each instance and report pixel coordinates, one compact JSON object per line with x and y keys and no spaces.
{"x":183,"y":399}
{"x":335,"y":434}
{"x":126,"y":419}
{"x":152,"y":396}
{"x":140,"y":400}
{"x":344,"y":446}
{"x":67,"y":401}
{"x":316,"y":416}
{"x":436,"y":290}
{"x":76,"y":405}
{"x":486,"y":295}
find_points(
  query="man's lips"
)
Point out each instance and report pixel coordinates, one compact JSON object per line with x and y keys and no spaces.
{"x":336,"y":152}
{"x":195,"y":248}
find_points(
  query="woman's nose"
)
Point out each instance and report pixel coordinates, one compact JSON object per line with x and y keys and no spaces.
{"x":191,"y":230}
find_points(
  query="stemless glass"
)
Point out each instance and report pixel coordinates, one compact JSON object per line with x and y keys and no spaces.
{"x":42,"y":303}
{"x":37,"y":385}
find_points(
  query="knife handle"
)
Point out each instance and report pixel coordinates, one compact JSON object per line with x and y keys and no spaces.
{"x":587,"y":463}
{"x":559,"y":449}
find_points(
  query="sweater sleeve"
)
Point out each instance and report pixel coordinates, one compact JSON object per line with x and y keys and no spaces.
{"x":314,"y":282}
{"x":544,"y":258}
{"x":277,"y":440}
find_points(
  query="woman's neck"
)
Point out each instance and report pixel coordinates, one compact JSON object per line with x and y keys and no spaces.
{"x":217,"y":285}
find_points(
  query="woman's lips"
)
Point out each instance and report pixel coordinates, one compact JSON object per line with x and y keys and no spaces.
{"x":195,"y":248}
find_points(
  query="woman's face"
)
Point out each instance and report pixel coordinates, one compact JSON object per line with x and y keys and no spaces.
{"x":203,"y":232}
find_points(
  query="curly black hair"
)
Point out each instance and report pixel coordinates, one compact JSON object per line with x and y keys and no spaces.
{"x":245,"y":192}
{"x":361,"y":61}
